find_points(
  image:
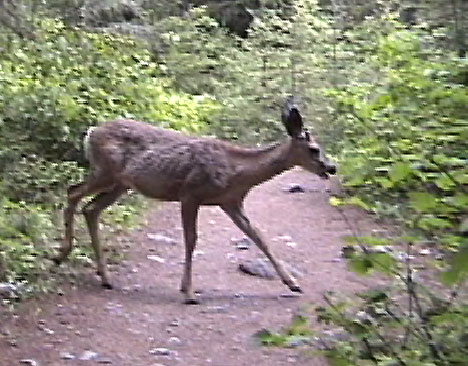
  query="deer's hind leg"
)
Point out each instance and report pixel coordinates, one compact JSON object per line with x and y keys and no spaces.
{"x":189,"y":212}
{"x":92,"y":211}
{"x":75,"y":194}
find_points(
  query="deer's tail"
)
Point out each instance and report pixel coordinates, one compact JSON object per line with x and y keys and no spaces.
{"x":86,"y":143}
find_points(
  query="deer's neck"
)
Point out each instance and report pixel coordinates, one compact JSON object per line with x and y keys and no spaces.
{"x":259,"y":165}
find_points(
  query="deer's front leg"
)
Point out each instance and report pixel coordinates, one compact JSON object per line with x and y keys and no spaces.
{"x":236,"y":213}
{"x":189,"y":223}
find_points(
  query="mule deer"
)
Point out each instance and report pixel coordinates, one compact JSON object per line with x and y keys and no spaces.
{"x":170,"y":166}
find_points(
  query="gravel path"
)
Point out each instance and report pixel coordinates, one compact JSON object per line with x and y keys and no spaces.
{"x":142,"y":321}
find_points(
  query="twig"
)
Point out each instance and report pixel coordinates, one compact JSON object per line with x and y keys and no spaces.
{"x":414,"y":331}
{"x":409,"y":283}
{"x":371,"y":352}
{"x":454,"y":294}
{"x":381,"y":338}
{"x":435,"y":352}
{"x":364,"y":248}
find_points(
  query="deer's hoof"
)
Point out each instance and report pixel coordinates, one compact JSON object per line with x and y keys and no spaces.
{"x":295,"y":288}
{"x":107,"y":286}
{"x":191,"y":301}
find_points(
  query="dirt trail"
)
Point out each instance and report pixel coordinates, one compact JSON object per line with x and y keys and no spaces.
{"x":143,"y":317}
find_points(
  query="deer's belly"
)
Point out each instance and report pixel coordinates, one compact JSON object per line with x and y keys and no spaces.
{"x":162,"y":190}
{"x":173,"y":182}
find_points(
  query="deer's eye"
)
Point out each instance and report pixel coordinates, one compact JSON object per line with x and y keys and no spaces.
{"x":314,"y":151}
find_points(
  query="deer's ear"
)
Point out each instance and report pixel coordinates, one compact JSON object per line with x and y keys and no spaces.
{"x":292,"y":120}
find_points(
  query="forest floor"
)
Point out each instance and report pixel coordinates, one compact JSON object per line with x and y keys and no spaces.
{"x":143,"y":321}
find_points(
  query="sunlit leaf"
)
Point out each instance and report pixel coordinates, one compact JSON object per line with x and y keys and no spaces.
{"x":335,"y":201}
{"x":459,"y":200}
{"x":444,"y":182}
{"x":434,"y":223}
{"x":384,"y":182}
{"x":399,"y":171}
{"x":458,"y":267}
{"x":383,"y":262}
{"x":356,"y":201}
{"x":423,"y":201}
{"x":361,"y":264}
{"x":367,"y":240}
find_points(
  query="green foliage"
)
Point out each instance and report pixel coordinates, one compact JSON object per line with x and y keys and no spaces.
{"x":24,"y":232}
{"x":401,"y":128}
{"x":55,"y":88}
{"x":37,"y":180}
{"x":383,"y":330}
{"x":298,"y":333}
{"x":404,"y":149}
{"x":249,"y":77}
{"x":387,"y":100}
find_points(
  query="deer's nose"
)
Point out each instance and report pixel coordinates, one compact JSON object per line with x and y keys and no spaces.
{"x":331,"y":169}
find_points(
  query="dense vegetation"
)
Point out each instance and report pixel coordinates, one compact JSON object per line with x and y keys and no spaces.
{"x":384,"y":84}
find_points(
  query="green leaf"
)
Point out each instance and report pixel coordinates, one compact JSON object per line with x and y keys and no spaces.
{"x":273,"y":339}
{"x":357,"y":328}
{"x":356,"y":201}
{"x":383,"y":262}
{"x":423,"y":201}
{"x":399,"y":171}
{"x":431,"y":223}
{"x":361,"y":264}
{"x":445,"y":183}
{"x":336,"y":359}
{"x":367,"y":240}
{"x":463,"y":228}
{"x":335,"y":201}
{"x":374,"y":296}
{"x":459,"y":200}
{"x":461,"y":176}
{"x":354,"y":181}
{"x":384,"y":182}
{"x":459,"y":267}
{"x":452,"y":241}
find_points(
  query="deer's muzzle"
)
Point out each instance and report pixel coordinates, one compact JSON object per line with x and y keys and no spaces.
{"x":328,"y":169}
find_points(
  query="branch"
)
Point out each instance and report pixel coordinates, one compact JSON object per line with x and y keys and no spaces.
{"x":435,"y":352}
{"x":409,"y":282}
{"x":364,"y":248}
{"x":381,"y":338}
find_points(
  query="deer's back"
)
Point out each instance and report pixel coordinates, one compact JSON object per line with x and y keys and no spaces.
{"x":161,"y":163}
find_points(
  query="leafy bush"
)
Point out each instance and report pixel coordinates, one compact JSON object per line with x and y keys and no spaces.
{"x":37,"y":180}
{"x":25,"y":234}
{"x":56,"y":88}
{"x":403,"y":150}
{"x":249,"y":77}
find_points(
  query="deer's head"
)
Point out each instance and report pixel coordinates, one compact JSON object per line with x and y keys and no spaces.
{"x":306,"y":152}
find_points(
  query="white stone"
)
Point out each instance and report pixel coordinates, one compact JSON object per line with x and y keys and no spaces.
{"x":161,"y":238}
{"x":155,"y":258}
